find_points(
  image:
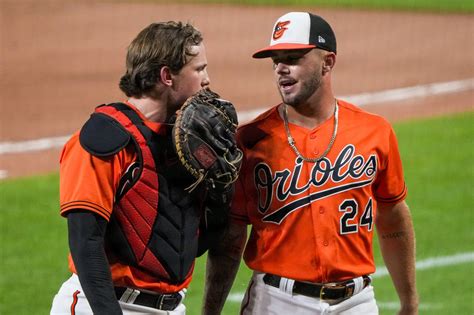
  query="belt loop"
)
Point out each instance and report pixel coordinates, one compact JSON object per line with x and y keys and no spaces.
{"x":358,"y":284}
{"x":159,"y":302}
{"x":129,"y":295}
{"x":183,"y":293}
{"x":286,"y":285}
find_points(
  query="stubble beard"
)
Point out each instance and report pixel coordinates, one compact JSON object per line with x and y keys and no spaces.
{"x":308,"y":88}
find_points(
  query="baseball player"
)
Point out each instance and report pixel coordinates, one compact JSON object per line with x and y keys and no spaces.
{"x":318,"y":175}
{"x":132,"y":227}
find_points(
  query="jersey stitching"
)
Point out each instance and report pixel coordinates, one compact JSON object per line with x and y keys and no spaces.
{"x":82,"y":203}
{"x":397,"y":197}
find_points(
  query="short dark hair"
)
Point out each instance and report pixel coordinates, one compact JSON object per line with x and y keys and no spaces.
{"x":158,"y":45}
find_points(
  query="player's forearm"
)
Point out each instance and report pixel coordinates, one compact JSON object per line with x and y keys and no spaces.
{"x":398,"y":257}
{"x":397,"y":243}
{"x":86,"y":236}
{"x":223,"y":262}
{"x":220,"y":275}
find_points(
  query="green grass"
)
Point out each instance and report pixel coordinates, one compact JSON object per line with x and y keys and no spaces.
{"x":33,"y":239}
{"x":466,"y":6}
{"x":438,"y":160}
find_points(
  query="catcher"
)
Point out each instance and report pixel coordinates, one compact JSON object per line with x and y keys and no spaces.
{"x":145,"y":182}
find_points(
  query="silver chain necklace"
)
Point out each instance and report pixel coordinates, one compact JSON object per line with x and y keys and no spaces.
{"x":292,"y":142}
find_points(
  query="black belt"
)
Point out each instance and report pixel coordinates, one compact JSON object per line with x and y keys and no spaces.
{"x":165,"y":302}
{"x":326,"y":291}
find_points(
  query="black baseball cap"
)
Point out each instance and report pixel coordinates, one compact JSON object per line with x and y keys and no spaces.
{"x":299,"y":30}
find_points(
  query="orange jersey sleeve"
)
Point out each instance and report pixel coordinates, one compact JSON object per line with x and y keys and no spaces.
{"x":389,"y":183}
{"x":89,"y":182}
{"x":315,"y":221}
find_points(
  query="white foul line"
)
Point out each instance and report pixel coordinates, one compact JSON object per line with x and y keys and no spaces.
{"x":245,"y":116}
{"x":428,"y":263}
{"x":394,"y":306}
{"x":391,"y":95}
{"x":32,"y":145}
{"x":3,"y":174}
{"x":433,"y":262}
{"x":410,"y":92}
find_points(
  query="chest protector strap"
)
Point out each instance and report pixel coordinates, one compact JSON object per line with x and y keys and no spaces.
{"x":136,"y":211}
{"x":137,"y":200}
{"x":154,"y":223}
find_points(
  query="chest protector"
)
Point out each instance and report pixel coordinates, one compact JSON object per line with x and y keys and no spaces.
{"x":154,"y":223}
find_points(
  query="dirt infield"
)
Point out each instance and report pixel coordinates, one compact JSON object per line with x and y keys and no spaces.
{"x":60,"y":59}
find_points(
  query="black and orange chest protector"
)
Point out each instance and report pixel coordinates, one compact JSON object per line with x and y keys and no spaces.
{"x":154,"y":223}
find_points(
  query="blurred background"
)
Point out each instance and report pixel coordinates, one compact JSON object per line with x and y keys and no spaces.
{"x":60,"y":59}
{"x":410,"y":61}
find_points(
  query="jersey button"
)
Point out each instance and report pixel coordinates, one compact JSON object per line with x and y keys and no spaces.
{"x":321,"y":210}
{"x":325,"y":243}
{"x":312,"y":136}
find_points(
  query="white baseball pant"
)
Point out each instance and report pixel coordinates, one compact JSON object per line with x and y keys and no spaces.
{"x":263,"y":299}
{"x":70,"y":299}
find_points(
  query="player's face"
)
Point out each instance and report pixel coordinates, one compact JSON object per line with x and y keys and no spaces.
{"x":191,"y":78}
{"x":298,"y":74}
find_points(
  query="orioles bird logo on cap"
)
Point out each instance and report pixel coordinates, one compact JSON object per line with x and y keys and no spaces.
{"x":280,"y":29}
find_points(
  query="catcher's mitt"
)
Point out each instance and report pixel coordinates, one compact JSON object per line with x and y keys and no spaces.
{"x":204,"y":139}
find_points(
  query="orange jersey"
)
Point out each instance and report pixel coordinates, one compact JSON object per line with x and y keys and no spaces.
{"x":90,"y":182}
{"x":315,"y":221}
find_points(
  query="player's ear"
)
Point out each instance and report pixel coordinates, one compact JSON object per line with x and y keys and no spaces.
{"x":165,"y":76}
{"x":329,"y":60}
